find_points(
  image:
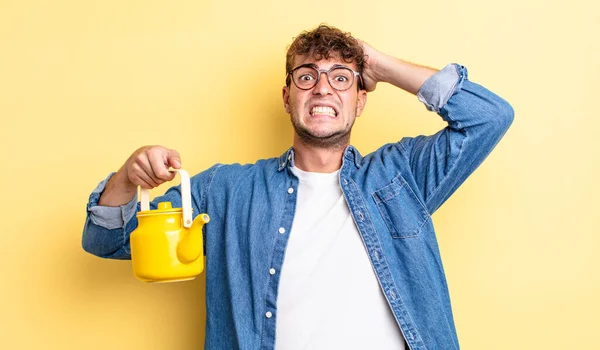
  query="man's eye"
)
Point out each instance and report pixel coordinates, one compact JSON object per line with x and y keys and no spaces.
{"x":306,"y":77}
{"x":341,"y":79}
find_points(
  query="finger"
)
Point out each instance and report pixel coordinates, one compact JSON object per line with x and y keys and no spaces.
{"x":160,"y":168}
{"x":145,"y":163}
{"x":174,"y":159}
{"x":143,"y":184}
{"x":143,"y":171}
{"x":140,"y":178}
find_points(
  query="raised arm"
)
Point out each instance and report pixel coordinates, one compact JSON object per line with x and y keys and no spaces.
{"x":380,"y":67}
{"x":477,"y":119}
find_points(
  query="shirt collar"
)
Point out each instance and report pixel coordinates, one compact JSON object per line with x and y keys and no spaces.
{"x":286,"y":158}
{"x":350,"y":153}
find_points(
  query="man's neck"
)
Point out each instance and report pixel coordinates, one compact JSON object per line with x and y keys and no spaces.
{"x":315,"y":159}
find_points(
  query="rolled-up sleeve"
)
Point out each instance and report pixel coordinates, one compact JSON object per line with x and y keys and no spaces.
{"x":109,"y":217}
{"x":437,"y":90}
{"x":106,"y":230}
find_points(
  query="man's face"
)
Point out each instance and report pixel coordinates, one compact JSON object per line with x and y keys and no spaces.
{"x":323,"y":116}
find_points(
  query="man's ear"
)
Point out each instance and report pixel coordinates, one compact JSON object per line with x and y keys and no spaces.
{"x":286,"y":98}
{"x":362,"y":101}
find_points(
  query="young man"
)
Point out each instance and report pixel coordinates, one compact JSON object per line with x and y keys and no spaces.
{"x":323,"y":248}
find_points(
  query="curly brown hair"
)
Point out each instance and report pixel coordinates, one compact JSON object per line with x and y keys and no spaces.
{"x":325,"y":42}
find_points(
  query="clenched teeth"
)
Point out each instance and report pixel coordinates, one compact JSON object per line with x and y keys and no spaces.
{"x":323,"y":111}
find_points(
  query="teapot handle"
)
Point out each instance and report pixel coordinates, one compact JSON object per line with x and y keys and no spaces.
{"x":186,"y":197}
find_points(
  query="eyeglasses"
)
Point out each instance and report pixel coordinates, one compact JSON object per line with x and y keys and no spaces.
{"x":341,"y":78}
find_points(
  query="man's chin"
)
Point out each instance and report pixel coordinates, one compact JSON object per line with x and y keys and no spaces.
{"x":325,"y":139}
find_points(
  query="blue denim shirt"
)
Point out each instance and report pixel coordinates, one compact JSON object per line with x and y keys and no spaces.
{"x":391,"y":194}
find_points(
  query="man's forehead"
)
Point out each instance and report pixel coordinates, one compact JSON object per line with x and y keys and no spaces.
{"x":334,"y":59}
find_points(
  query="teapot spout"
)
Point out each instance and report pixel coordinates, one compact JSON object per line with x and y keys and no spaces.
{"x":189,"y":248}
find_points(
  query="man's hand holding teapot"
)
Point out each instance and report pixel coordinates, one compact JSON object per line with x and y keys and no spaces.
{"x":147,"y":167}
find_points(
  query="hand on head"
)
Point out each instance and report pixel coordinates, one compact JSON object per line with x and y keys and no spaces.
{"x":370,"y":74}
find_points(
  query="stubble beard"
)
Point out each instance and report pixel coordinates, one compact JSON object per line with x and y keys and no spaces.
{"x":338,"y":139}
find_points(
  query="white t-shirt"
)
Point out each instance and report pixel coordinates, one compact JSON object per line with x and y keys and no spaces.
{"x":329,"y":296}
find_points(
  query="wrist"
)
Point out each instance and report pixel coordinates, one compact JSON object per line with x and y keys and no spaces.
{"x":382,"y":66}
{"x":119,"y":190}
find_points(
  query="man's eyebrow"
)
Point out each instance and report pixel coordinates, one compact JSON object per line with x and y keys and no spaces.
{"x":310,"y":65}
{"x":338,"y":66}
{"x":315,"y":66}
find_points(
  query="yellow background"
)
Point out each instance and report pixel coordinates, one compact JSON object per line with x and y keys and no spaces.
{"x":85,"y":83}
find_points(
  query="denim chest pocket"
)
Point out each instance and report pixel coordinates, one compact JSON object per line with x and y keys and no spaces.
{"x":400,"y":208}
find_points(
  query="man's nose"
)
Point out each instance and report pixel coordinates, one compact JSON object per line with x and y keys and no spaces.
{"x":323,"y":87}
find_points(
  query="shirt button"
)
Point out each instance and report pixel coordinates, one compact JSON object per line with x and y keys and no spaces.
{"x":360,"y":215}
{"x":290,"y":190}
{"x":268,"y":314}
{"x":281,"y":230}
{"x":272,"y":271}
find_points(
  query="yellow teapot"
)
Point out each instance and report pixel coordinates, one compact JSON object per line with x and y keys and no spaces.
{"x":167,"y":246}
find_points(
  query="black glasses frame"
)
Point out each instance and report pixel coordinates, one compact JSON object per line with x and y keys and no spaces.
{"x":326,"y":71}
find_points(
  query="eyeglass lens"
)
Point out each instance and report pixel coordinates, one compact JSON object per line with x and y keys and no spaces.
{"x":340,"y":78}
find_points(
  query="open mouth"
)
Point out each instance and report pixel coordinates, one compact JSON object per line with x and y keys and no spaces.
{"x":322,"y":110}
